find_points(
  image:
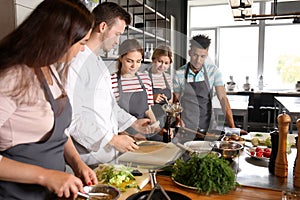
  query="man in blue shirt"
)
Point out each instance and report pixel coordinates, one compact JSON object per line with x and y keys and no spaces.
{"x":193,"y":87}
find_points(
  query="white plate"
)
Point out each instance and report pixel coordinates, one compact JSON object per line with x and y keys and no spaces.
{"x":182,"y":185}
{"x":199,"y":145}
{"x":255,"y":157}
{"x":263,"y":136}
{"x":260,"y":135}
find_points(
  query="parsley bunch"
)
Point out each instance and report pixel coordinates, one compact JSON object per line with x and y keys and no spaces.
{"x":207,"y":173}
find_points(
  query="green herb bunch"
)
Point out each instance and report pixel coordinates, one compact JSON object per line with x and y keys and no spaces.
{"x":206,"y":173}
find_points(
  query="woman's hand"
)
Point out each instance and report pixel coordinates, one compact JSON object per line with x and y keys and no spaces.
{"x":61,"y":183}
{"x":87,"y":175}
{"x":163,"y":130}
{"x":159,"y":98}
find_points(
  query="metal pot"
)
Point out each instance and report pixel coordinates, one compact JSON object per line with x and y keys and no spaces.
{"x":104,"y":192}
{"x":227,"y":149}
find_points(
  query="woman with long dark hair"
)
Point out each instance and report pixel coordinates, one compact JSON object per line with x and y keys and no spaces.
{"x":34,"y":110}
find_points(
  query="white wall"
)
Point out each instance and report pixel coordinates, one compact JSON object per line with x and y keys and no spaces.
{"x":13,"y":12}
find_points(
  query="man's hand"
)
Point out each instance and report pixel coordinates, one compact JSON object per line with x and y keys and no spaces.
{"x":124,"y":143}
{"x":142,"y":126}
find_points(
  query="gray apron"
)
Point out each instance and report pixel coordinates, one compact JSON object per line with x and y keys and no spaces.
{"x":47,"y":154}
{"x":159,"y":113}
{"x":135,"y":103}
{"x":197,"y":103}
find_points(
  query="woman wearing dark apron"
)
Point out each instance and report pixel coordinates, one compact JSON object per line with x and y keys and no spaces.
{"x":161,"y":83}
{"x":34,"y":147}
{"x":132,"y":89}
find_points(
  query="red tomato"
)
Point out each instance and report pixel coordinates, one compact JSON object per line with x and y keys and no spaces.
{"x":267,"y":150}
{"x":258,"y":149}
{"x":267,"y":154}
{"x":259,"y":154}
{"x":252,"y":153}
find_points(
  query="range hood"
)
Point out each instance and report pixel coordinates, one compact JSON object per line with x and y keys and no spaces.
{"x":242,"y":11}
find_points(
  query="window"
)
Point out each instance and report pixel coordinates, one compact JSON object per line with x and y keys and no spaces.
{"x":239,"y":54}
{"x":240,"y":49}
{"x":282,"y":57}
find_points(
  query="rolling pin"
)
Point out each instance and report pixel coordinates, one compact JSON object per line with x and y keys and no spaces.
{"x":297,"y":162}
{"x":281,"y":164}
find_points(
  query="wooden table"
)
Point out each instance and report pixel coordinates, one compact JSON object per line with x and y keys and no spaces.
{"x":243,"y":192}
{"x":239,"y":107}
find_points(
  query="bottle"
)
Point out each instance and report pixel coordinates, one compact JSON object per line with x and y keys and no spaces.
{"x":261,"y":82}
{"x":297,"y":160}
{"x":230,"y":84}
{"x":274,"y":141}
{"x":151,"y":51}
{"x":246,"y":86}
{"x":281,"y":164}
{"x":146,"y":53}
{"x":167,"y":134}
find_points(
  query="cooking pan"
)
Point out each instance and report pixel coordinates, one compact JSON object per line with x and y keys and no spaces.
{"x":157,"y":195}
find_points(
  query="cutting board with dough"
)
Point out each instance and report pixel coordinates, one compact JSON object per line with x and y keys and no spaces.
{"x":151,"y":153}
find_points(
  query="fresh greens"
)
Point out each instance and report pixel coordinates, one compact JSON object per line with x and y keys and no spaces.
{"x":120,"y":177}
{"x":207,"y":173}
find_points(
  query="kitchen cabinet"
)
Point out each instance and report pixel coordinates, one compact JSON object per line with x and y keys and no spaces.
{"x":149,"y":25}
{"x":13,"y":13}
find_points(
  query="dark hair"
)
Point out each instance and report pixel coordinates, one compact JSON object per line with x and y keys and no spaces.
{"x":108,"y":12}
{"x":162,"y":51}
{"x":128,"y":46}
{"x":200,"y":41}
{"x":44,"y":37}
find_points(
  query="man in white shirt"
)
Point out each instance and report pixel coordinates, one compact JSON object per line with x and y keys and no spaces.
{"x":97,"y":118}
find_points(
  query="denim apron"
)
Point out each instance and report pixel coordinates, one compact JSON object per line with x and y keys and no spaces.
{"x":197,"y":103}
{"x":47,"y":154}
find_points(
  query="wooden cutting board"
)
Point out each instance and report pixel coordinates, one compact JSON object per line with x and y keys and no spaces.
{"x":151,"y":154}
{"x":141,"y":181}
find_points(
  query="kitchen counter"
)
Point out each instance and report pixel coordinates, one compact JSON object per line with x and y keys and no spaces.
{"x":243,"y":192}
{"x":253,"y":176}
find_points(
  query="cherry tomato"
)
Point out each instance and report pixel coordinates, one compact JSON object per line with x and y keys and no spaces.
{"x":259,"y":154}
{"x":258,"y":149}
{"x":267,"y":154}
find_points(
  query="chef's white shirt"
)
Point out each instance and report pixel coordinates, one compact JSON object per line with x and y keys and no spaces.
{"x":96,"y":114}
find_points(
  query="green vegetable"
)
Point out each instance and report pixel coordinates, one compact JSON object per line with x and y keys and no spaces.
{"x":207,"y":173}
{"x":268,"y":142}
{"x":258,"y":135}
{"x":121,"y":177}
